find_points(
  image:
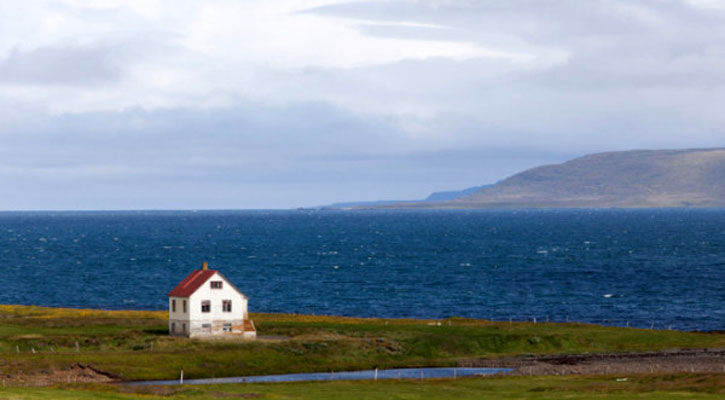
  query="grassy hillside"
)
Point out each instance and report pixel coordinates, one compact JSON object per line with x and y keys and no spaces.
{"x":135,"y":345}
{"x":661,"y":178}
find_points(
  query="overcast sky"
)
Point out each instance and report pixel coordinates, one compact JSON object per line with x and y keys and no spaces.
{"x":110,"y":104}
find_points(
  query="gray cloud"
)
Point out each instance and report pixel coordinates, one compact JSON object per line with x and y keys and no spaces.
{"x":248,"y":156}
{"x":603,"y":75}
{"x":637,"y":74}
{"x":610,"y":42}
{"x":65,"y":65}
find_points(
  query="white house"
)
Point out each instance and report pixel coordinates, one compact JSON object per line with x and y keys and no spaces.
{"x":205,"y":303}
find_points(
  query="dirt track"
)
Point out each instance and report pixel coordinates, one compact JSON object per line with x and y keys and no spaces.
{"x":691,"y":360}
{"x":74,"y":374}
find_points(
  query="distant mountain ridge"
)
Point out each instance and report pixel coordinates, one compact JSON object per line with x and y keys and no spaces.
{"x":453,"y":194}
{"x":627,"y":179}
{"x":432,"y":198}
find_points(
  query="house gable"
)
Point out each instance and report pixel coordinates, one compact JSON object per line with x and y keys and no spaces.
{"x":228,"y":283}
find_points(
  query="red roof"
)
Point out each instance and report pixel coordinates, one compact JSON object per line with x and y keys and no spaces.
{"x":192,"y":282}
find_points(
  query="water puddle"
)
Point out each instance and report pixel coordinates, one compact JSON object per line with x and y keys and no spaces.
{"x":401,"y":373}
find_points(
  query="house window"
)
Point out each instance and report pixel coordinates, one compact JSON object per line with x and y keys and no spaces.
{"x":184,"y":304}
{"x":227,"y":327}
{"x":205,"y":306}
{"x":183,"y":328}
{"x":227,"y":305}
{"x":206,"y":327}
{"x":173,"y":327}
{"x":173,"y":305}
{"x":216,"y":284}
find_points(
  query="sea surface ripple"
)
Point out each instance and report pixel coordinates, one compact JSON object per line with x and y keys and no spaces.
{"x":661,"y":268}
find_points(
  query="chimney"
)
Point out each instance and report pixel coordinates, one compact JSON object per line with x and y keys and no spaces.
{"x":204,"y":265}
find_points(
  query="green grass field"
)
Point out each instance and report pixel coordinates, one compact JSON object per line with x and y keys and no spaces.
{"x":134,"y":345}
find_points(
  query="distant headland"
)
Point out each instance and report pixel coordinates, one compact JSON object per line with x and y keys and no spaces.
{"x":622,"y":179}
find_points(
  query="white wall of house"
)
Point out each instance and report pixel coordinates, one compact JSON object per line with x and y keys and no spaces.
{"x":194,"y":322}
{"x":216,"y":296}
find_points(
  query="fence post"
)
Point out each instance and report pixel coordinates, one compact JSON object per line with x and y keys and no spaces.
{"x":78,"y":348}
{"x":181,"y":378}
{"x":376,"y":374}
{"x":454,"y":372}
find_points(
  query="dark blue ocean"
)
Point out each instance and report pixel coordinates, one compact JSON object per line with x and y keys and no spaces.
{"x":616,"y":267}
